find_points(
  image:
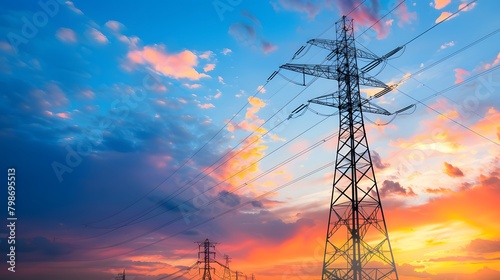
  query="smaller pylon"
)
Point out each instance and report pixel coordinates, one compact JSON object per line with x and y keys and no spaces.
{"x":237,"y":273}
{"x":227,"y":271}
{"x":120,"y":276}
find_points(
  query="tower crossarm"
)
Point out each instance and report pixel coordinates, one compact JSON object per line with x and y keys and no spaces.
{"x":369,"y":107}
{"x":331,"y":100}
{"x":332,"y":46}
{"x":330,"y":72}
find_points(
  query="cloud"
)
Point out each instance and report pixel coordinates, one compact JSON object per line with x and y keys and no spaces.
{"x":226,"y":51}
{"x":178,"y":66}
{"x":470,"y":7}
{"x":192,"y":86}
{"x":206,"y":106}
{"x":242,"y":32}
{"x":218,"y":94}
{"x":97,"y":36}
{"x":443,"y":16}
{"x":256,"y":103}
{"x":446,"y":45}
{"x":209,"y":67}
{"x":114,"y":25}
{"x":72,"y":7}
{"x":246,"y":35}
{"x":483,"y":246}
{"x":250,"y":16}
{"x":405,"y":17}
{"x":460,"y":75}
{"x":452,"y":171}
{"x":207,"y":55}
{"x":261,"y":89}
{"x":268,"y":47}
{"x":221,"y":80}
{"x":377,"y":161}
{"x":394,"y":188}
{"x":495,"y":62}
{"x":302,"y":6}
{"x":66,"y":35}
{"x":439,"y":4}
{"x":439,"y":190}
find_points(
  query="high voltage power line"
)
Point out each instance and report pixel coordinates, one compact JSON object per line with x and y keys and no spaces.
{"x":412,"y":75}
{"x":280,"y":123}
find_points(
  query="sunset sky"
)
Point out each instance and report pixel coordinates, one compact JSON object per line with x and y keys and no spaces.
{"x":138,"y":129}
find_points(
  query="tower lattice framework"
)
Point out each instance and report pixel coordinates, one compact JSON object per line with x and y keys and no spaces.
{"x":207,"y":250}
{"x":357,"y":242}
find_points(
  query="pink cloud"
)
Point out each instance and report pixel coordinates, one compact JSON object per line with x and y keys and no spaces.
{"x":63,"y":115}
{"x":178,"y":66}
{"x":495,"y":62}
{"x":460,"y":75}
{"x":226,"y":51}
{"x":97,"y":36}
{"x":218,"y":94}
{"x":114,"y":25}
{"x":66,"y":35}
{"x":209,"y":67}
{"x":364,"y":15}
{"x":404,"y":15}
{"x":439,"y":4}
{"x":88,"y":94}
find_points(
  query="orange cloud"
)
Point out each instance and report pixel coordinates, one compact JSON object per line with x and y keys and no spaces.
{"x":452,"y":171}
{"x":256,"y":103}
{"x":177,"y":66}
{"x":443,"y":16}
{"x":439,"y":4}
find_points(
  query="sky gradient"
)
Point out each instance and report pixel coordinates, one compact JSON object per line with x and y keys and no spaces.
{"x":138,"y":129}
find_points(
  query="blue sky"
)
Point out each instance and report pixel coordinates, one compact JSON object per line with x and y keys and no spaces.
{"x":122,"y":118}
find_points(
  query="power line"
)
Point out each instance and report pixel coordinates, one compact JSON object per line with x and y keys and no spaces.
{"x":439,"y":22}
{"x":397,"y":6}
{"x":272,"y":169}
{"x":450,"y":88}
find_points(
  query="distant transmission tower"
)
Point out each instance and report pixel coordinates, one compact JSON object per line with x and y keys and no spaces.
{"x":120,"y":276}
{"x":227,"y":271}
{"x":204,"y":249}
{"x":357,"y":243}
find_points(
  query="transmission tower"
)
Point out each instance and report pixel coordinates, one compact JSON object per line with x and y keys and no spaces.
{"x":204,"y":249}
{"x":227,"y":271}
{"x":120,"y":276}
{"x":357,"y":242}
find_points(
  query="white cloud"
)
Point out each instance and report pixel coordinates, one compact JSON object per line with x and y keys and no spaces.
{"x":221,"y":80}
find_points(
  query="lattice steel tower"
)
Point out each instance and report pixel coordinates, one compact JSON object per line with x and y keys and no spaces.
{"x":357,"y":243}
{"x":205,"y":250}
